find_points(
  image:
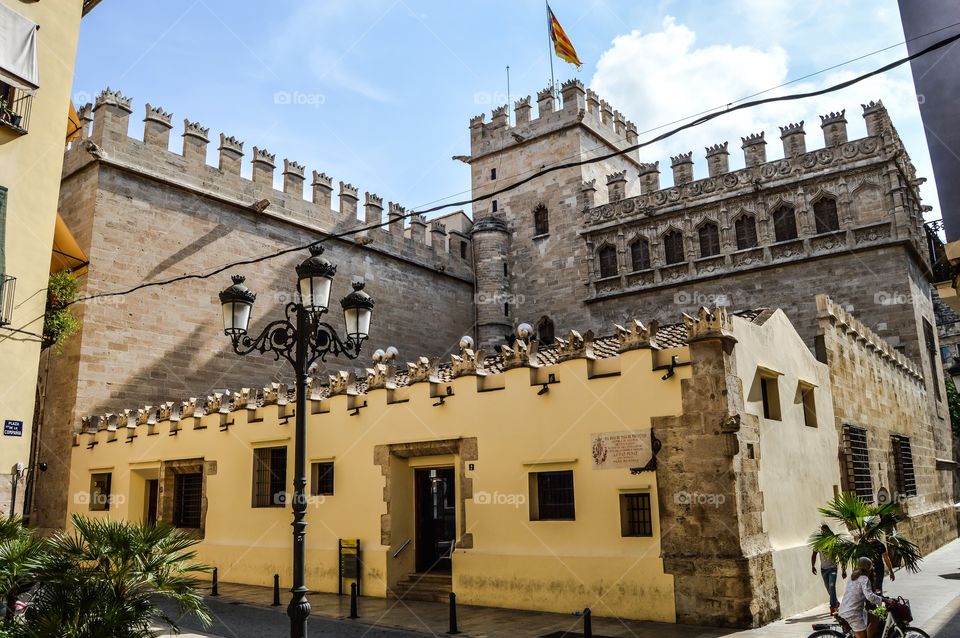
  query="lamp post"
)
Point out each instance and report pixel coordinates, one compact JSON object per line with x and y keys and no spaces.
{"x":301,"y":338}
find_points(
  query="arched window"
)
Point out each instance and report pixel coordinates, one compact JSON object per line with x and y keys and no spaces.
{"x":746,"y":228}
{"x":545,"y":331}
{"x":784,"y":224}
{"x":640,"y":254}
{"x":541,"y":220}
{"x":673,"y":252}
{"x":608,"y":261}
{"x":709,"y":240}
{"x":825,"y":215}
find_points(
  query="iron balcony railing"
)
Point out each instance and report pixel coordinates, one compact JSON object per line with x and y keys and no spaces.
{"x":7,"y":286}
{"x":15,"y":106}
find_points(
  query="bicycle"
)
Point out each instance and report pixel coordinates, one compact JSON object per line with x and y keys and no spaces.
{"x":894,"y":626}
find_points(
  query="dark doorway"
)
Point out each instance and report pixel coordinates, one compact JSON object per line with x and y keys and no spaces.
{"x":153,"y":497}
{"x":436,"y":504}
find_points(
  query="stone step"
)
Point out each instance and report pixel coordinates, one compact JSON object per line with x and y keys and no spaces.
{"x":426,"y":587}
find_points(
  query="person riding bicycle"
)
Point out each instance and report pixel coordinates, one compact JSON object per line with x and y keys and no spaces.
{"x":853,"y":606}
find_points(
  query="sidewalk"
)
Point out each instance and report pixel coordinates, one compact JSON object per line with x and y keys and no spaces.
{"x":934,"y":595}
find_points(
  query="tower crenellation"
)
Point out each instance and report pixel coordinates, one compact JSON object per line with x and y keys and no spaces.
{"x":521,"y":110}
{"x":372,"y":208}
{"x":754,"y":149}
{"x":545,"y":101}
{"x":616,"y":186}
{"x":322,"y":187}
{"x":264,"y":163}
{"x":718,"y":159}
{"x":349,"y":196}
{"x":195,"y":140}
{"x":649,"y":174}
{"x":293,"y":178}
{"x":231,"y":153}
{"x":682,"y":166}
{"x":794,"y":139}
{"x":834,"y":127}
{"x":156,"y":126}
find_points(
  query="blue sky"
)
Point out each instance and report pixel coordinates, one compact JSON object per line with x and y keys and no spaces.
{"x":379,"y":92}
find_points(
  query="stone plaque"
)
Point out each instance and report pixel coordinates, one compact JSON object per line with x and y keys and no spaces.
{"x":617,"y":450}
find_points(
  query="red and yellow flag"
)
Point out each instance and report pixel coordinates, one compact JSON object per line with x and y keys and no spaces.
{"x":561,"y":43}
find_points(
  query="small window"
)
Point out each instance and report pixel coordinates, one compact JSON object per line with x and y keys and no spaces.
{"x":493,"y":173}
{"x":931,"y":344}
{"x":673,"y":248}
{"x":504,"y":269}
{"x":784,"y":224}
{"x":463,"y":249}
{"x":545,"y":331}
{"x":746,"y":229}
{"x":636,"y":518}
{"x":541,"y":220}
{"x":187,"y":500}
{"x":321,"y":479}
{"x":493,"y":205}
{"x":709,"y":235}
{"x":270,"y":477}
{"x":100,"y":484}
{"x":859,"y":480}
{"x":551,"y":496}
{"x":506,"y":309}
{"x":640,"y":255}
{"x":607,"y":255}
{"x":825,"y":215}
{"x":808,"y":399}
{"x":770,"y":393}
{"x":903,"y":464}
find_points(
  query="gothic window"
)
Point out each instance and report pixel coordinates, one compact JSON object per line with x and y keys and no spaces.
{"x":545,"y":330}
{"x":709,"y":240}
{"x":784,"y":224}
{"x":825,"y":215}
{"x":673,"y":247}
{"x":746,"y":228}
{"x":608,"y":261}
{"x":541,"y":220}
{"x":640,"y":254}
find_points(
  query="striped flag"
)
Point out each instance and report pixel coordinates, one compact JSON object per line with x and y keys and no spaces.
{"x":561,"y":43}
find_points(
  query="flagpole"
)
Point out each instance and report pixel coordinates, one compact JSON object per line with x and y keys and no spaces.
{"x":553,"y":82}
{"x":509,"y":105}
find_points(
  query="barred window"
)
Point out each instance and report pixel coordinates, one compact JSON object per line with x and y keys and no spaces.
{"x":187,"y":500}
{"x":270,"y":477}
{"x":746,"y":228}
{"x":541,"y":220}
{"x":859,"y":480}
{"x":825,"y":215}
{"x":673,"y":248}
{"x":903,"y":465}
{"x":784,"y":224}
{"x":321,"y":475}
{"x":709,"y":240}
{"x":636,"y":518}
{"x":551,"y":496}
{"x":545,"y":331}
{"x":608,"y":261}
{"x":640,"y":254}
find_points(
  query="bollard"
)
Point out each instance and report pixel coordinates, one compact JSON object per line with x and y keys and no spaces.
{"x":215,"y":585}
{"x":453,"y":614}
{"x":276,"y":590}
{"x":587,"y":624}
{"x":353,"y":601}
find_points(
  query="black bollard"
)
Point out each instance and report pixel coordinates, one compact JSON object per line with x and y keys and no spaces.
{"x":215,"y":585}
{"x":587,"y":624}
{"x":276,"y":590}
{"x":353,"y":601}
{"x":453,"y":614}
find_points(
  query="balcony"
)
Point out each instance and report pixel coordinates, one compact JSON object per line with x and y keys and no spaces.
{"x":7,"y":286}
{"x":15,"y":105}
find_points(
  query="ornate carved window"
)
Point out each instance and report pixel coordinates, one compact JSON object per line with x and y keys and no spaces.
{"x":784,"y":224}
{"x":545,"y":330}
{"x":746,"y":229}
{"x":640,"y":254}
{"x":541,"y":220}
{"x":825,"y":215}
{"x":709,"y":240}
{"x":607,"y":255}
{"x":673,"y":252}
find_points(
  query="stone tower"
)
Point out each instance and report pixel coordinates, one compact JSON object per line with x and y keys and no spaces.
{"x":528,"y":251}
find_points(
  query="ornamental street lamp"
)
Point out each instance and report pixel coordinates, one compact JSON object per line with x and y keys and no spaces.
{"x":302,"y":338}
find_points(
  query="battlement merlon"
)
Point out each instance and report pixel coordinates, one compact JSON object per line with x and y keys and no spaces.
{"x":293,"y":178}
{"x":156,"y":126}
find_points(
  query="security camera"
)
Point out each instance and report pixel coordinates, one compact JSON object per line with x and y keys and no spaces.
{"x":42,"y":466}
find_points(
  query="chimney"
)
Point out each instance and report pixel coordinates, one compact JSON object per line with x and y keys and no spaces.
{"x":438,"y":237}
{"x":348,"y":200}
{"x":588,"y":192}
{"x":649,"y":177}
{"x":682,"y":166}
{"x":195,"y":140}
{"x":521,"y":110}
{"x":875,"y":116}
{"x":322,"y":185}
{"x":156,"y":127}
{"x":263,"y":164}
{"x":395,"y":213}
{"x":794,"y":139}
{"x":834,"y":127}
{"x":111,"y":116}
{"x":293,"y":177}
{"x":574,"y":96}
{"x":372,"y":209}
{"x":231,"y":150}
{"x":418,"y":229}
{"x":544,"y":102}
{"x":754,"y":149}
{"x":718,"y":159}
{"x":616,"y":186}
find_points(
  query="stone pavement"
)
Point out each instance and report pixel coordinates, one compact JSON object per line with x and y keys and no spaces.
{"x":934,"y":594}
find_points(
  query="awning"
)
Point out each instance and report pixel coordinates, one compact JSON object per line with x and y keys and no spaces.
{"x":74,"y":126}
{"x":67,"y":254}
{"x":18,"y":51}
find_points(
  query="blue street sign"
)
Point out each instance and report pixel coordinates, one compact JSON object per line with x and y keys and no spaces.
{"x":12,"y":428}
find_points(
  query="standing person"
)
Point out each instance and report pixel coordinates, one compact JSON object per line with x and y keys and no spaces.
{"x":853,"y":607}
{"x":828,"y":571}
{"x":881,"y":558}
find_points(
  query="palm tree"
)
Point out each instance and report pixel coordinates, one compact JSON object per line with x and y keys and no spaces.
{"x":866,"y":524}
{"x":104,"y":581}
{"x":20,"y":555}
